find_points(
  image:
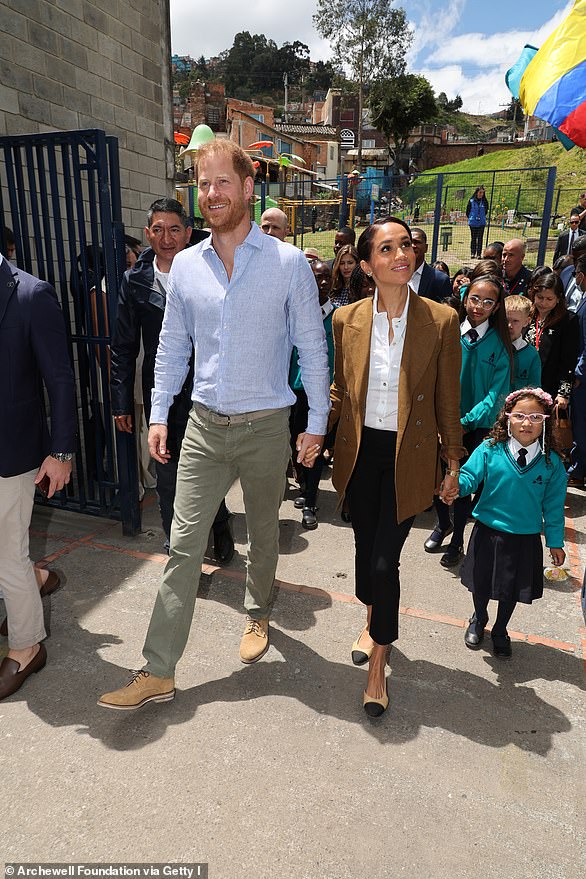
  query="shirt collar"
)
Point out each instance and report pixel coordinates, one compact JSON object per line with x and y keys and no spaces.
{"x":419,"y":271}
{"x":481,"y":329}
{"x":519,"y":343}
{"x":532,"y":451}
{"x":1,"y":259}
{"x":326,"y":308}
{"x":254,"y":238}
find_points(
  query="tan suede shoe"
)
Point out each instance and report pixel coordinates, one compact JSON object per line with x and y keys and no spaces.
{"x":255,"y":641}
{"x":142,"y":688}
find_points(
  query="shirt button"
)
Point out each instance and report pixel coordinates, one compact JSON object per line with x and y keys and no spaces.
{"x":384,"y":384}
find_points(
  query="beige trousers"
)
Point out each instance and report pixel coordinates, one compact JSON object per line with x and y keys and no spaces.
{"x":17,"y":577}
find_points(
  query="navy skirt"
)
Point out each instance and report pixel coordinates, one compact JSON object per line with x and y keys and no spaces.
{"x":503,"y":566}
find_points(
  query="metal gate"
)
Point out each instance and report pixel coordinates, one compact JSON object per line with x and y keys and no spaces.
{"x":60,"y":196}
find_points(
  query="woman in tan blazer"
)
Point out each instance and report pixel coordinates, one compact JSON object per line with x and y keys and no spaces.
{"x":396,"y":390}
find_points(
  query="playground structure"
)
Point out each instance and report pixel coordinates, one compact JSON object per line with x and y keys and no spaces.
{"x":523,"y":203}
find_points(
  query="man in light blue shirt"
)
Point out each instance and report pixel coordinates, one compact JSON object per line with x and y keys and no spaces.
{"x":244,"y":299}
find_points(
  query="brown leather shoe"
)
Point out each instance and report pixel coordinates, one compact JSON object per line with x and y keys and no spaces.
{"x":12,"y":678}
{"x":51,"y":584}
{"x":255,"y":641}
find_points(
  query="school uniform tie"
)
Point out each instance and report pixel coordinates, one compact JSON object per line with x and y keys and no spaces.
{"x":522,"y":458}
{"x":472,"y":335}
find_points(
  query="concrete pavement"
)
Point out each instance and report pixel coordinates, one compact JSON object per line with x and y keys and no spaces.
{"x":273,"y":770}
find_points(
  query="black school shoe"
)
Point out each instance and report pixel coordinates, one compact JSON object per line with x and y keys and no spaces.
{"x":436,"y":538}
{"x":501,"y":646}
{"x":452,"y":556}
{"x":474,"y":634}
{"x":309,"y":518}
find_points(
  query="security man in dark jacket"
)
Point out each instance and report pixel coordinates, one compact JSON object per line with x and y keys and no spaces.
{"x":33,"y":353}
{"x":141,"y":305}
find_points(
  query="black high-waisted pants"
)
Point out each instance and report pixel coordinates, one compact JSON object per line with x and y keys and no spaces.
{"x":378,"y":537}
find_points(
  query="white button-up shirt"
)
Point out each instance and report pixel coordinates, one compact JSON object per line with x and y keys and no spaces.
{"x":382,"y":396}
{"x":481,"y":329}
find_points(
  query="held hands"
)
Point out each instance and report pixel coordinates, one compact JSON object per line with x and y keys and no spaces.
{"x":59,"y":474}
{"x":449,"y":490}
{"x":558,"y":556}
{"x":308,"y":447}
{"x":561,"y":402}
{"x":158,"y":443}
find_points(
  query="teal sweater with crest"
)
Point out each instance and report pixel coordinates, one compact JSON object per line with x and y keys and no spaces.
{"x":485,"y":379}
{"x":517,"y":500}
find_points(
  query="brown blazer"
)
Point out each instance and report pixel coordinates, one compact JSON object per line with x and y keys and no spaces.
{"x":429,"y":397}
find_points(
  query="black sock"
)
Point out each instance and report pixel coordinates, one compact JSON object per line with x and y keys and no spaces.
{"x":481,"y":608}
{"x":504,"y":614}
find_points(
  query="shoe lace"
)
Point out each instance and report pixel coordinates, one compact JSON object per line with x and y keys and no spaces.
{"x":253,"y":627}
{"x":136,"y":674}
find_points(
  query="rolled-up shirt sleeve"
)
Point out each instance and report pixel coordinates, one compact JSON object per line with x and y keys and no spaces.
{"x":173,"y":354}
{"x":307,"y":334}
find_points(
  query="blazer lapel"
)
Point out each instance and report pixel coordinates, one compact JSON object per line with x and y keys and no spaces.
{"x":420,"y":340}
{"x":360,"y":330}
{"x":8,"y":283}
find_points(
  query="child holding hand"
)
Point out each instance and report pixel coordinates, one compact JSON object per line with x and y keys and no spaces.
{"x":524,"y":493}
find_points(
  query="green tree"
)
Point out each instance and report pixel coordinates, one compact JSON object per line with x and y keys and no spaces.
{"x":399,"y":104}
{"x":320,"y":78}
{"x":368,"y":38}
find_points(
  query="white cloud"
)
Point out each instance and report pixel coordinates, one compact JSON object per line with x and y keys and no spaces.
{"x":482,"y":61}
{"x":481,"y":93}
{"x":200,"y":30}
{"x":434,"y":24}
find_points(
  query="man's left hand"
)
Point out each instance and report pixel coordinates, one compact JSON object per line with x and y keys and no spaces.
{"x":59,"y":473}
{"x":308,"y":447}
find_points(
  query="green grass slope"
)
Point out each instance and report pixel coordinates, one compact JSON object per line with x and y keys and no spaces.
{"x":570,"y":179}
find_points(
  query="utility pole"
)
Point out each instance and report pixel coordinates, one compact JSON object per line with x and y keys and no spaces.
{"x":286,"y":82}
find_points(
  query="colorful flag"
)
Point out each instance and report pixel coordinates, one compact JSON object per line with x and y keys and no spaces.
{"x":553,"y":85}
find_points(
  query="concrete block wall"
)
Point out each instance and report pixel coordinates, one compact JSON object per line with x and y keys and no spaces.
{"x":71,"y":64}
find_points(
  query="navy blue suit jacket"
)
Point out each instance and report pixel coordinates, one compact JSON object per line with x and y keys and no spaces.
{"x":581,"y":316}
{"x":434,"y":284}
{"x":33,"y":350}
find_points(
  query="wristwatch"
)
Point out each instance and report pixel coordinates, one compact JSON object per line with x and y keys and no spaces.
{"x":452,"y":473}
{"x":62,"y":457}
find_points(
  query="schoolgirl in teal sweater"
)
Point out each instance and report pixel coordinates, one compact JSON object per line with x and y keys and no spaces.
{"x":524,"y":492}
{"x":485,"y":378}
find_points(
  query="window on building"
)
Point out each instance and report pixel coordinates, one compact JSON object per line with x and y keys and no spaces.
{"x":259,"y":116}
{"x":212,"y":115}
{"x":283,"y":146}
{"x":368,"y":144}
{"x":331,"y":152}
{"x":346,"y":116}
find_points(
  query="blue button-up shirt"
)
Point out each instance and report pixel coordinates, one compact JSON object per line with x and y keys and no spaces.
{"x":243,"y":330}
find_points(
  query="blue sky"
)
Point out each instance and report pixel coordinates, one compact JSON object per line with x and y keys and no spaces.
{"x":462,"y":46}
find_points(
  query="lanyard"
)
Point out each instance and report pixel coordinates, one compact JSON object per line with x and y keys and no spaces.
{"x":538,"y":332}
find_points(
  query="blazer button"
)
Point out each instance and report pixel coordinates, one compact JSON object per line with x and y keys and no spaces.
{"x":420,"y":398}
{"x":418,"y":422}
{"x":344,"y":440}
{"x":347,"y":418}
{"x":416,"y":445}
